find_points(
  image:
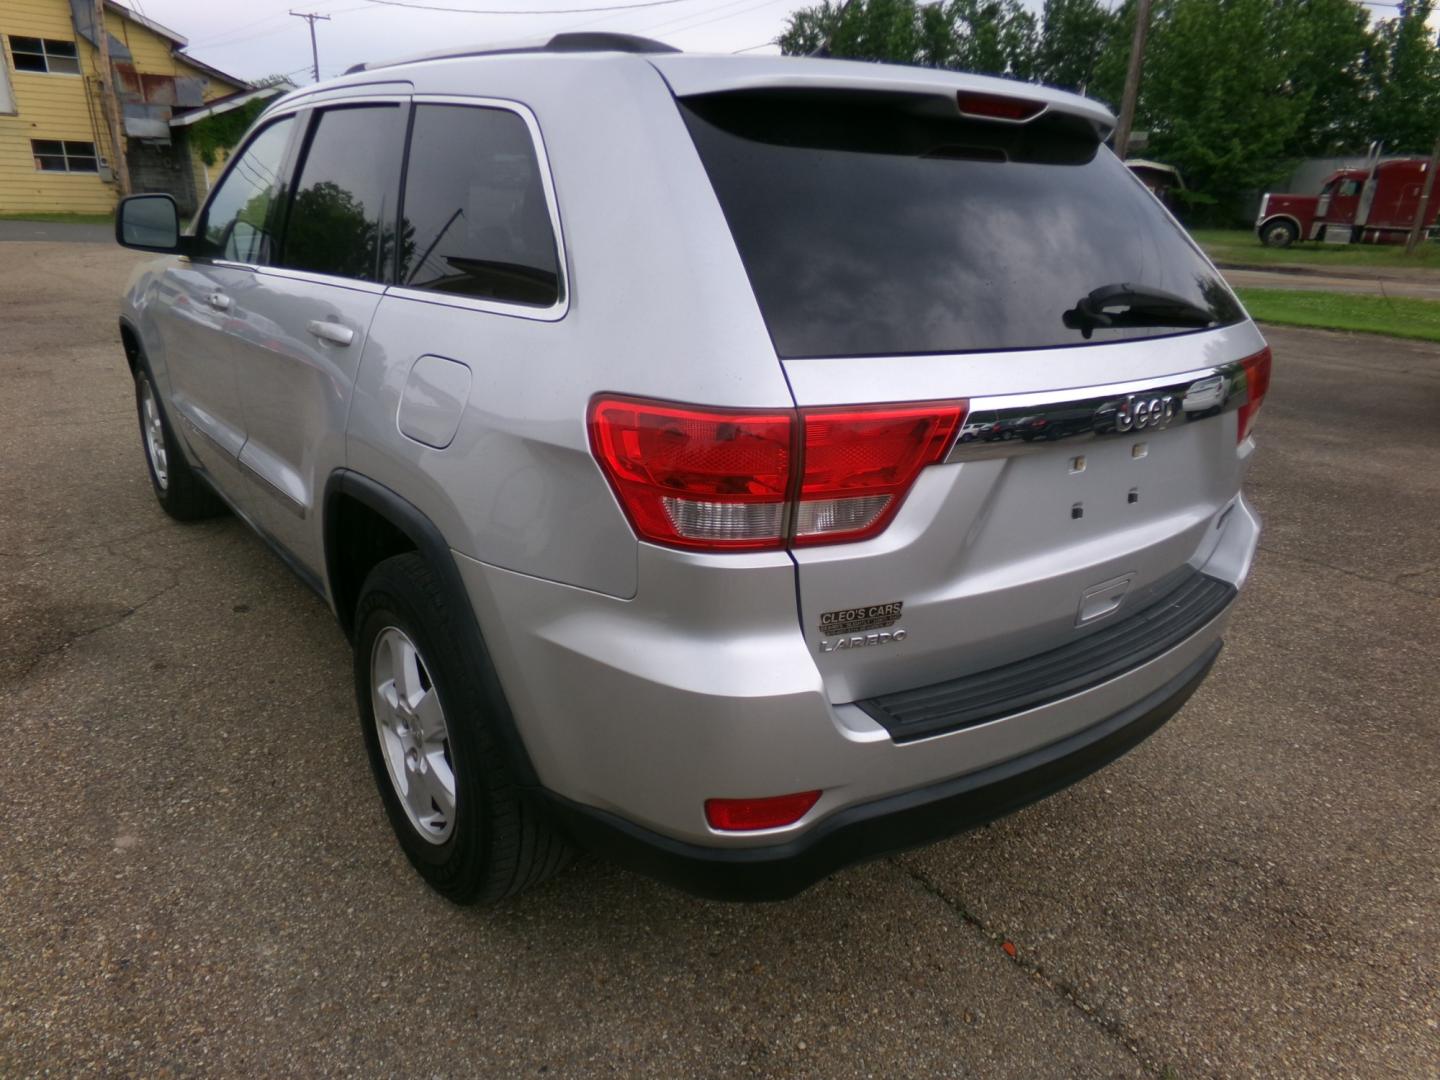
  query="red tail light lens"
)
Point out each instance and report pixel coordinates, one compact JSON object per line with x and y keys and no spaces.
{"x":719,"y":479}
{"x":1257,"y":385}
{"x":998,"y":107}
{"x":747,"y":815}
{"x":859,"y":463}
{"x":701,"y":478}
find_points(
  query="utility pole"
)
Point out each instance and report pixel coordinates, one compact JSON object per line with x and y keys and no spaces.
{"x":109,"y":103}
{"x":1417,"y":229}
{"x":312,"y":19}
{"x":1121,"y":141}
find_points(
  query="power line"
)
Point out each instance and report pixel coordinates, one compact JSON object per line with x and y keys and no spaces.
{"x":237,"y":34}
{"x":686,"y":27}
{"x":541,"y":11}
{"x":619,"y":13}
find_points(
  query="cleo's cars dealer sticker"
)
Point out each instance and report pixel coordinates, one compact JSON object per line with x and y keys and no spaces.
{"x":858,"y":620}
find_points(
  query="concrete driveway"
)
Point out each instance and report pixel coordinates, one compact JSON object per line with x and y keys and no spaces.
{"x":196,"y":876}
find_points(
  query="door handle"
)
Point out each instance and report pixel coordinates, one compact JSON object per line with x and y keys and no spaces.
{"x":331,"y":332}
{"x":218,"y":301}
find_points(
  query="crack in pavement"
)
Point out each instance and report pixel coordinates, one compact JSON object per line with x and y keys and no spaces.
{"x":71,"y":639}
{"x":1394,"y":584}
{"x":69,"y":544}
{"x":1067,"y":991}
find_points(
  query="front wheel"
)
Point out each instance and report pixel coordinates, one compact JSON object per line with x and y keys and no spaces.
{"x":178,"y":488}
{"x":458,"y":814}
{"x":1279,"y":234}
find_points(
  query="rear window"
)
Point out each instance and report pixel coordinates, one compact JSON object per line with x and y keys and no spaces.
{"x":876,"y":225}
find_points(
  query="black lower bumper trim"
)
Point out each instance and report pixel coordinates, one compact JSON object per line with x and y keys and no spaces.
{"x":1038,"y":680}
{"x":882,"y":827}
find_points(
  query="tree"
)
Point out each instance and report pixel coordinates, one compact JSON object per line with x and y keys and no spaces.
{"x":884,"y":30}
{"x":1216,"y":97}
{"x":1073,"y":37}
{"x":1332,"y":51}
{"x":992,"y":37}
{"x":1407,"y":100}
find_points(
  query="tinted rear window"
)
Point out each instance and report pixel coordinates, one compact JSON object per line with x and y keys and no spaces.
{"x":342,"y":218}
{"x":476,"y":220}
{"x":875,"y":225}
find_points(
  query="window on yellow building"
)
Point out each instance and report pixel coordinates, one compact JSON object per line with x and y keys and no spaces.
{"x":53,"y":155}
{"x":44,"y":55}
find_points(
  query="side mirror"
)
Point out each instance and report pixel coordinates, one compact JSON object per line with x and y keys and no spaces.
{"x":148,"y":223}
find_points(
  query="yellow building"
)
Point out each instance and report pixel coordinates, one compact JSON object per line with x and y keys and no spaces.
{"x":56,"y":151}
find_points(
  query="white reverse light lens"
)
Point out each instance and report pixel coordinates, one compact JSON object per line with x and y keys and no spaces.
{"x":699,"y":520}
{"x":819,"y":516}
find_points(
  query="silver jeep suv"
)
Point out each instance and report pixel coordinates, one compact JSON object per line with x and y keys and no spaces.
{"x":741,"y":467}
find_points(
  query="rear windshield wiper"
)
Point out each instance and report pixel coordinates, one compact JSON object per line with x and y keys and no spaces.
{"x":1123,"y":304}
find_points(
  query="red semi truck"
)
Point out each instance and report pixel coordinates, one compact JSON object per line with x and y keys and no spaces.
{"x":1376,"y":205}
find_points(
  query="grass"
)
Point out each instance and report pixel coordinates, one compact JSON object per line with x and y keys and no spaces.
{"x":1243,"y":246}
{"x":69,"y":219}
{"x":1398,"y":317}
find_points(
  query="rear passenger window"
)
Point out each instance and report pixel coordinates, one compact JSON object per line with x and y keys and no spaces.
{"x":342,"y":218}
{"x":476,"y":222}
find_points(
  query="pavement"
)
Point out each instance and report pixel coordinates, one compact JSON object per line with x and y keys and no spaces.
{"x":66,"y":232}
{"x":197,"y":878}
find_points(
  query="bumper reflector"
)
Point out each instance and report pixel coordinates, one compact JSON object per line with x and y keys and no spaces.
{"x":747,"y":815}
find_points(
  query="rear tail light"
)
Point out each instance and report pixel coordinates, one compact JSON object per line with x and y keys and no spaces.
{"x":703,"y":478}
{"x":718,"y":479}
{"x":747,"y":815}
{"x":859,"y":463}
{"x":1257,"y":385}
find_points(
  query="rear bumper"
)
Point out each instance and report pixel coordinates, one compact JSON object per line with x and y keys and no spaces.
{"x":883,"y":826}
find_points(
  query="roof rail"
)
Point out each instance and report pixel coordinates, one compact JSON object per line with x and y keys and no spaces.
{"x":560,"y":43}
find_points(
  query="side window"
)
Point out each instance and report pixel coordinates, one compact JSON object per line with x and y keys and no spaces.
{"x":239,"y":221}
{"x":476,"y":222}
{"x":1349,"y":189}
{"x":342,"y":217}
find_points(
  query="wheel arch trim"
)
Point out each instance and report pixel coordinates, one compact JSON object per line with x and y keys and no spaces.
{"x":1291,"y":218}
{"x":431,"y":545}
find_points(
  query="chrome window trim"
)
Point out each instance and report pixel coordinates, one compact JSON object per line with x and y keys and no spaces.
{"x":555,"y":312}
{"x":1072,"y":412}
{"x":316,"y":278}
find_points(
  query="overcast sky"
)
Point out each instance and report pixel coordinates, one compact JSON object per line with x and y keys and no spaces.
{"x":255,"y":38}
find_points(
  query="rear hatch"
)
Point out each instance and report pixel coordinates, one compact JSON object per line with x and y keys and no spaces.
{"x":926,"y":244}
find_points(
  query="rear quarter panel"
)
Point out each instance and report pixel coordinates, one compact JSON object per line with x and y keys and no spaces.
{"x":658,"y":305}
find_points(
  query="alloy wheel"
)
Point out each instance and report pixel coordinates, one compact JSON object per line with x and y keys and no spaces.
{"x":414,"y":738}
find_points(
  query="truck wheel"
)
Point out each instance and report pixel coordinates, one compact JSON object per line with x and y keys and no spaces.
{"x":459,"y":815}
{"x":179,"y":489}
{"x":1279,"y":234}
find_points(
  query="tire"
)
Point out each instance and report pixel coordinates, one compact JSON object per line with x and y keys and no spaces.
{"x":178,"y":488}
{"x":1279,"y":234}
{"x":478,"y":838}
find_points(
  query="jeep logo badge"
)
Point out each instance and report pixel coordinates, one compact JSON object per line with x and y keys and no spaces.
{"x":1138,"y":412}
